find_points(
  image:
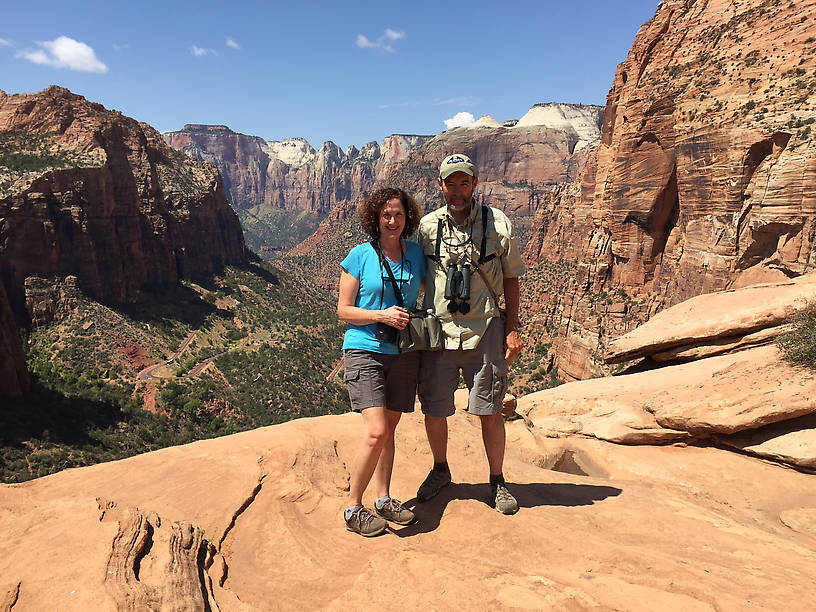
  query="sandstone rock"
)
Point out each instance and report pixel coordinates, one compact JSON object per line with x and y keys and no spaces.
{"x":116,"y":207}
{"x":727,"y":344}
{"x":723,"y":394}
{"x":792,"y":442}
{"x":139,"y":533}
{"x":705,"y":170}
{"x":714,"y":316}
{"x":584,"y":121}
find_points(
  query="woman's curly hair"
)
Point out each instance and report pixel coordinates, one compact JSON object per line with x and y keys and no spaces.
{"x":371,"y":208}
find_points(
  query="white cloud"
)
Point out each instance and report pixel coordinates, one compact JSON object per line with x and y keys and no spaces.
{"x":200,"y":51}
{"x":392,"y":35}
{"x":67,"y":53}
{"x":460,"y":101}
{"x":410,"y":104}
{"x":4,"y":42}
{"x":383,"y":42}
{"x":459,"y":120}
{"x":364,"y":43}
{"x":232,"y":44}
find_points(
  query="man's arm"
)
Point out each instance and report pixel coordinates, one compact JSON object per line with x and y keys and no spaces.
{"x":511,"y":302}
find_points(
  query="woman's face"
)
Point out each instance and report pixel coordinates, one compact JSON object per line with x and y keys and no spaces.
{"x":392,"y":219}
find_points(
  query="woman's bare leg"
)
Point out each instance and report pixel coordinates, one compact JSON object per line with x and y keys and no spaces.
{"x":382,"y":475}
{"x":369,"y":452}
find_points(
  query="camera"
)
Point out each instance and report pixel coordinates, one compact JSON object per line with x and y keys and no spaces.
{"x":457,"y":287}
{"x":386,"y":333}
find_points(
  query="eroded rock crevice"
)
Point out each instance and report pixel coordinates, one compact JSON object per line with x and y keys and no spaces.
{"x":155,"y":567}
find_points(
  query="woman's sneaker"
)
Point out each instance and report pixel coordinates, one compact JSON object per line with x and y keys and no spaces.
{"x":393,"y":510}
{"x":361,"y":520}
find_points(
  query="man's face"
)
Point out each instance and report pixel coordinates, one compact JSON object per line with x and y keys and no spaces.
{"x":458,"y":190}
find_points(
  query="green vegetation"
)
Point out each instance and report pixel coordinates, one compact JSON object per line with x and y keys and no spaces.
{"x":268,"y":338}
{"x":269,"y":231}
{"x":799,"y":344}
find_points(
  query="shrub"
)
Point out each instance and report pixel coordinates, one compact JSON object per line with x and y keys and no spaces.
{"x":799,"y":344}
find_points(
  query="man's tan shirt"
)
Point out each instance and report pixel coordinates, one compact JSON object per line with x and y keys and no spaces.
{"x":462,"y":244}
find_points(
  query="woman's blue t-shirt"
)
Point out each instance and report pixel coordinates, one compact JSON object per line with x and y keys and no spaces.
{"x":377,"y":293}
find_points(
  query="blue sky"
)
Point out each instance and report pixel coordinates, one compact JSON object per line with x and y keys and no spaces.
{"x":347,"y":72}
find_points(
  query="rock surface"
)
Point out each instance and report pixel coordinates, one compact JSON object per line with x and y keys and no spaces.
{"x":590,"y":534}
{"x":722,"y":394}
{"x":716,"y":316}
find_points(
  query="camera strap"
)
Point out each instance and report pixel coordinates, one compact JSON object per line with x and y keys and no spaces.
{"x":440,"y":230}
{"x":489,"y":288}
{"x":387,"y":266}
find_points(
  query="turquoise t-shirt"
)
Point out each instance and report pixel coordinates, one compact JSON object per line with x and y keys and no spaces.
{"x":377,"y":293}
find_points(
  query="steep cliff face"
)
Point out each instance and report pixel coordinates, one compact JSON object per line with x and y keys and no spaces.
{"x":706,"y":174}
{"x":13,"y":374}
{"x":283,"y":189}
{"x":88,"y":192}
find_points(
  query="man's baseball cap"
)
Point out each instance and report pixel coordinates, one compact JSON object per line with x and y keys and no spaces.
{"x":456,"y":163}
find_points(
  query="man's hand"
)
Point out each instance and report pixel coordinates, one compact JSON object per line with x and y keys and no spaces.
{"x":513,"y":346}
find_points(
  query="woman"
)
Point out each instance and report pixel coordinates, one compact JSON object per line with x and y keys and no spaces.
{"x":381,"y":380}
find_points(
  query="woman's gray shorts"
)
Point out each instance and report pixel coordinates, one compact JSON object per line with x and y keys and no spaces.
{"x":483,"y":368}
{"x":377,"y":379}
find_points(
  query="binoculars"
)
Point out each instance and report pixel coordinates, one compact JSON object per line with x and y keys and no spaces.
{"x":457,"y":287}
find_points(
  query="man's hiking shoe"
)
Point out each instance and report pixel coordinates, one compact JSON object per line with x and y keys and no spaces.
{"x":436,"y":480}
{"x":503,"y":500}
{"x":362,"y":521}
{"x":392,"y":510}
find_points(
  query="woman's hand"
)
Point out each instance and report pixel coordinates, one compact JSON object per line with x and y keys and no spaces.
{"x":395,"y":317}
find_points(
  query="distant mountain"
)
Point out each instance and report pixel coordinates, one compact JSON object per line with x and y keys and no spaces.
{"x":282,"y":190}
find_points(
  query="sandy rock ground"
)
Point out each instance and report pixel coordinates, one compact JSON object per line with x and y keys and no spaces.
{"x":253,"y":522}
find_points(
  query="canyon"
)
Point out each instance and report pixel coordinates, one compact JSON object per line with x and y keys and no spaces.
{"x":91,"y":195}
{"x":291,"y":185}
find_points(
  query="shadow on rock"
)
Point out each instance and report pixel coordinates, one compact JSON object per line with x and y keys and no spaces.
{"x":429,"y":514}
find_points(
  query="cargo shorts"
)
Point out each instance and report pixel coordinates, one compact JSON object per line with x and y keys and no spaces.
{"x":483,"y":368}
{"x":377,"y":379}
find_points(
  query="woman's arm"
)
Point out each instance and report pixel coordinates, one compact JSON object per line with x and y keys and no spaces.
{"x":349,"y":313}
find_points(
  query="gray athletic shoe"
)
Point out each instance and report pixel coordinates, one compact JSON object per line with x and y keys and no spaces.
{"x":362,"y":521}
{"x":436,"y":480}
{"x":503,"y":500}
{"x":394,"y":511}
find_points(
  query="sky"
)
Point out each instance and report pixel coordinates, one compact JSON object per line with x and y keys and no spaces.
{"x":349,"y":72}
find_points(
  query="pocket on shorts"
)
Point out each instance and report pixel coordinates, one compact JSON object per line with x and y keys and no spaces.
{"x":499,"y":384}
{"x":351,"y":374}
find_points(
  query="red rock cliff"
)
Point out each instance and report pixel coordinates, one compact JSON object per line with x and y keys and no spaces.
{"x":88,"y":192}
{"x":706,"y":174}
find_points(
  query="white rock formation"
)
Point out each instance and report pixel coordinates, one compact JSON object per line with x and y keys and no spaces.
{"x":585,"y":121}
{"x":486,"y":121}
{"x":293,"y":152}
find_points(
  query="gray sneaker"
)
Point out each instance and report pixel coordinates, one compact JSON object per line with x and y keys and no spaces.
{"x":362,"y":521}
{"x":436,"y":480}
{"x":394,"y":511}
{"x":503,"y":500}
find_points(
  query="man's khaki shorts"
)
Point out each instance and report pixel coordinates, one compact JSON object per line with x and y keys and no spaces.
{"x":483,"y":368}
{"x":377,"y":379}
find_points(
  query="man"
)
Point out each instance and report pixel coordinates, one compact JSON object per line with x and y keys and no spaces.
{"x":472,"y":259}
